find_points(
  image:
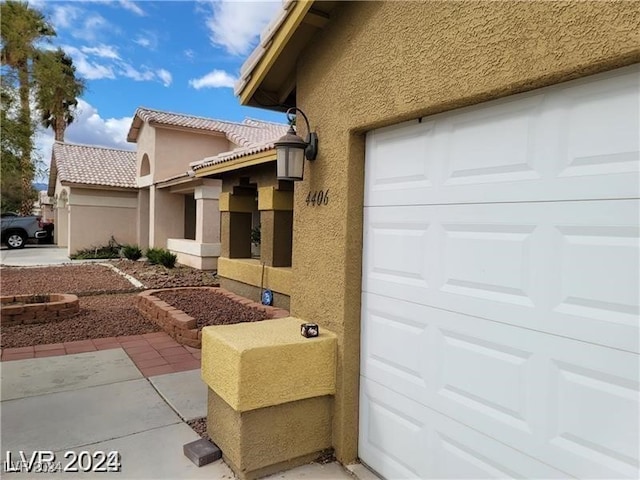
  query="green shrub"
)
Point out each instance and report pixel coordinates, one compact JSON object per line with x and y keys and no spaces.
{"x":132,"y":252}
{"x":160,"y":256}
{"x":102,"y":252}
{"x":168,"y":259}
{"x":153,"y":255}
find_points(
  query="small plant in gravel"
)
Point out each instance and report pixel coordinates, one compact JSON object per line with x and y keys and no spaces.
{"x":110,"y":250}
{"x":132,"y":252}
{"x":161,"y":256}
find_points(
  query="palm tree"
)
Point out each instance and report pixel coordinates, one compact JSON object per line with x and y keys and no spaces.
{"x":20,"y":28}
{"x":58,"y":90}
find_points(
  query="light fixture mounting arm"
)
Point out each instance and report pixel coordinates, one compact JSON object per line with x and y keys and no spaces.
{"x":312,"y":137}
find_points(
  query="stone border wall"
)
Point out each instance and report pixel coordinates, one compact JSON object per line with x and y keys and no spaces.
{"x":59,"y":307}
{"x":182,"y":327}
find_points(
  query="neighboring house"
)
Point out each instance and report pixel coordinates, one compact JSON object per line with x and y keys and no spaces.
{"x":152,"y":197}
{"x":95,"y":195}
{"x":478,"y":256}
{"x":176,"y":210}
{"x":44,"y":206}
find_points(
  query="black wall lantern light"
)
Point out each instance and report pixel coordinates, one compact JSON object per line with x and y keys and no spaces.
{"x":291,"y":150}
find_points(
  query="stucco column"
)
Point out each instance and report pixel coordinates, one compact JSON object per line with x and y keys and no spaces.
{"x":207,"y":213}
{"x":276,"y":220}
{"x":143,"y":218}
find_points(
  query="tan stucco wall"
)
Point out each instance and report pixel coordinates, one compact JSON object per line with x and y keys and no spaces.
{"x":97,"y":215}
{"x":166,"y":216}
{"x":146,"y":144}
{"x":175,"y":149}
{"x":379,"y":63}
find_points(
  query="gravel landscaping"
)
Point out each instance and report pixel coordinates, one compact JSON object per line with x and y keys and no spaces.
{"x":77,"y":279}
{"x":100,"y":316}
{"x":210,"y":308}
{"x":106,"y":299}
{"x":157,"y":276}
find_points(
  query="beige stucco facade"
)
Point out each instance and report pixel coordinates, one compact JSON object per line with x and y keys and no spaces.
{"x":94,"y":216}
{"x":380,"y":63}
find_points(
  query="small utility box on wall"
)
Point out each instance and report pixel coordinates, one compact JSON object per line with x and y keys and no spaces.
{"x":270,"y":393}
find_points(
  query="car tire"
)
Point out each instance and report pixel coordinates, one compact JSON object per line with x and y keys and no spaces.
{"x":15,"y":240}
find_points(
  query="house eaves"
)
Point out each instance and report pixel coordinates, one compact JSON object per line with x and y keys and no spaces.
{"x":243,"y":161}
{"x":268,"y":76}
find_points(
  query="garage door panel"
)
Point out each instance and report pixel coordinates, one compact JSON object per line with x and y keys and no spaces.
{"x":568,"y":268}
{"x":549,"y":146}
{"x":582,"y":393}
{"x":587,"y":253}
{"x":436,"y":446}
{"x":488,"y":261}
{"x":482,"y":153}
{"x":599,"y":127}
{"x":574,"y":404}
{"x":387,"y":324}
{"x":501,"y":288}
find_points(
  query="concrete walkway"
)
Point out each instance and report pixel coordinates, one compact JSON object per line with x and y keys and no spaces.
{"x":153,"y":353}
{"x":35,"y":255}
{"x":99,"y":401}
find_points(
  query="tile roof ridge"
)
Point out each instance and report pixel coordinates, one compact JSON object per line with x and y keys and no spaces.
{"x":85,"y":145}
{"x":268,"y":122}
{"x":199,"y":117}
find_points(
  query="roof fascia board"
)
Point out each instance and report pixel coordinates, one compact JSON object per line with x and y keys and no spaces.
{"x":93,"y":186}
{"x":273,"y":51}
{"x":238,"y":163}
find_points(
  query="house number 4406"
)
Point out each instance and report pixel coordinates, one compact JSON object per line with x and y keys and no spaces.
{"x":317,"y":198}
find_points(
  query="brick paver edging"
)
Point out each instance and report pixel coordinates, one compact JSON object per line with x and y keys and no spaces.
{"x":153,"y":353}
{"x":57,"y":306}
{"x":181,"y":326}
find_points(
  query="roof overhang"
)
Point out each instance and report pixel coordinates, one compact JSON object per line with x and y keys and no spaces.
{"x":93,"y":186}
{"x":238,"y":163}
{"x":268,"y":77}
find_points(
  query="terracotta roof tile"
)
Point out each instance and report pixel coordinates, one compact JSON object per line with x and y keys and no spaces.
{"x":248,"y":133}
{"x":268,"y":143}
{"x":91,"y":165}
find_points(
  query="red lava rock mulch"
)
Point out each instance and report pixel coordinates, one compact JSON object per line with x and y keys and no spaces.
{"x":210,"y":308}
{"x":100,"y":316}
{"x":77,"y":279}
{"x":157,"y":276}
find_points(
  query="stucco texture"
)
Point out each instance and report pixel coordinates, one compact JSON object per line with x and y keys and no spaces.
{"x":96,"y":215}
{"x":261,"y":364}
{"x":267,"y":440}
{"x":379,"y":63}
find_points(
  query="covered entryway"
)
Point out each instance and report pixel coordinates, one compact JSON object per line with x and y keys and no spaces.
{"x":500,"y":288}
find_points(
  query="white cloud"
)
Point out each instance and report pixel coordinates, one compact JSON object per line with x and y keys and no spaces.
{"x":103,"y":51}
{"x":91,"y":28}
{"x":165,"y":77}
{"x":235,"y":24}
{"x":63,"y":16}
{"x":87,"y":68}
{"x":147,"y":39}
{"x":128,"y":71}
{"x":132,"y":7}
{"x":88,"y":128}
{"x":143,"y":42}
{"x":214,"y":79}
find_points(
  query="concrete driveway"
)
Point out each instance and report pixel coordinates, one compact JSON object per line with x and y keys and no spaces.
{"x":34,"y":255}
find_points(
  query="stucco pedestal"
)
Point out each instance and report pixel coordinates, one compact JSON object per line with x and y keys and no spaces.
{"x":270,"y":394}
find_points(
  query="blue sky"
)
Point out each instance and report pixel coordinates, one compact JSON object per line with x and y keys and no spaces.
{"x":178,"y":56}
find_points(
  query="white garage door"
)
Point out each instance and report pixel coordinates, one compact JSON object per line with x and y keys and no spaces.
{"x":500,"y":303}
